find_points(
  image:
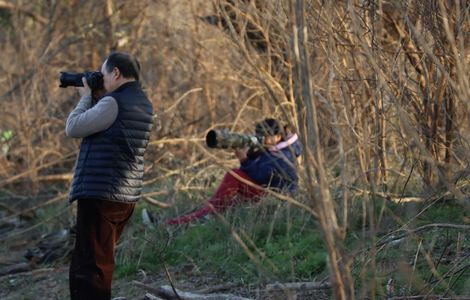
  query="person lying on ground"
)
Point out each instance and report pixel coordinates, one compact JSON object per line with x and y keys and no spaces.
{"x":273,"y":166}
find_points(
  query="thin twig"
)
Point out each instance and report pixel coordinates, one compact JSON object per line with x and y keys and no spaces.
{"x":424,"y":228}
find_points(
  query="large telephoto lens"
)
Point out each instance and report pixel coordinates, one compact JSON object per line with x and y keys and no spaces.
{"x":223,"y":139}
{"x":211,"y":139}
{"x":70,"y":79}
{"x":94,"y":79}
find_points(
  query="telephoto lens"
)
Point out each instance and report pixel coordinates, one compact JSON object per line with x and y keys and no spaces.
{"x":70,"y":79}
{"x":94,"y":79}
{"x":223,"y":139}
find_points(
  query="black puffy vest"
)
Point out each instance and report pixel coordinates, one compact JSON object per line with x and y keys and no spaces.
{"x":110,"y":165}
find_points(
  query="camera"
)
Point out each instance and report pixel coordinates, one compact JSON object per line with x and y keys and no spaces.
{"x":94,"y":79}
{"x":224,"y":139}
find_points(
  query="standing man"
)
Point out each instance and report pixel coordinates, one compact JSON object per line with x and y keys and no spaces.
{"x":109,"y":171}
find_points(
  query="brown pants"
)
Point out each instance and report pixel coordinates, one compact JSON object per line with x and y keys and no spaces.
{"x":99,"y":226}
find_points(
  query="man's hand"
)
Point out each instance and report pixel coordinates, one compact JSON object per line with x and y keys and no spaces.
{"x":241,"y":154}
{"x":98,"y":94}
{"x":85,"y":90}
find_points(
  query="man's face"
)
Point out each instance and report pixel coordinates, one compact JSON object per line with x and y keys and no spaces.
{"x":109,"y":78}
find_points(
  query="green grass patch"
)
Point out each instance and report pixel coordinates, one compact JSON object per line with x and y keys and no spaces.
{"x":273,"y":241}
{"x":268,"y":241}
{"x":428,"y":261}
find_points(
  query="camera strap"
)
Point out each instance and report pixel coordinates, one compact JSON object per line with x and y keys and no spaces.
{"x":290,"y":140}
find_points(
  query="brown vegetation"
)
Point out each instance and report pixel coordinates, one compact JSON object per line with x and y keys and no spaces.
{"x":378,"y":91}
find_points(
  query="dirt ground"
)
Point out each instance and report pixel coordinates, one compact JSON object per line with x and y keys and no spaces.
{"x":52,"y":283}
{"x":50,"y":280}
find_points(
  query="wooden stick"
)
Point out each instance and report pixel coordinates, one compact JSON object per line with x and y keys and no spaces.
{"x":217,"y":288}
{"x":155,"y":202}
{"x":167,"y":293}
{"x":56,"y":177}
{"x":13,"y":269}
{"x":297,"y":286}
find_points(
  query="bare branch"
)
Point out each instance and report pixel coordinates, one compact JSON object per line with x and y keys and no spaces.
{"x":36,"y":17}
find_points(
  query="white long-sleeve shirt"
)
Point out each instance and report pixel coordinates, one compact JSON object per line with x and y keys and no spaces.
{"x":86,"y":119}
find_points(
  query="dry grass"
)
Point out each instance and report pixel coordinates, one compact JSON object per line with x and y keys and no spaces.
{"x":378,"y":91}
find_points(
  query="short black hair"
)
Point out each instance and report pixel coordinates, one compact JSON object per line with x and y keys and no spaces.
{"x":268,"y":127}
{"x":127,"y":65}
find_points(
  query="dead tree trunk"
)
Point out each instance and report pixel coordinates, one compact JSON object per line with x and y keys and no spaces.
{"x":340,"y":275}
